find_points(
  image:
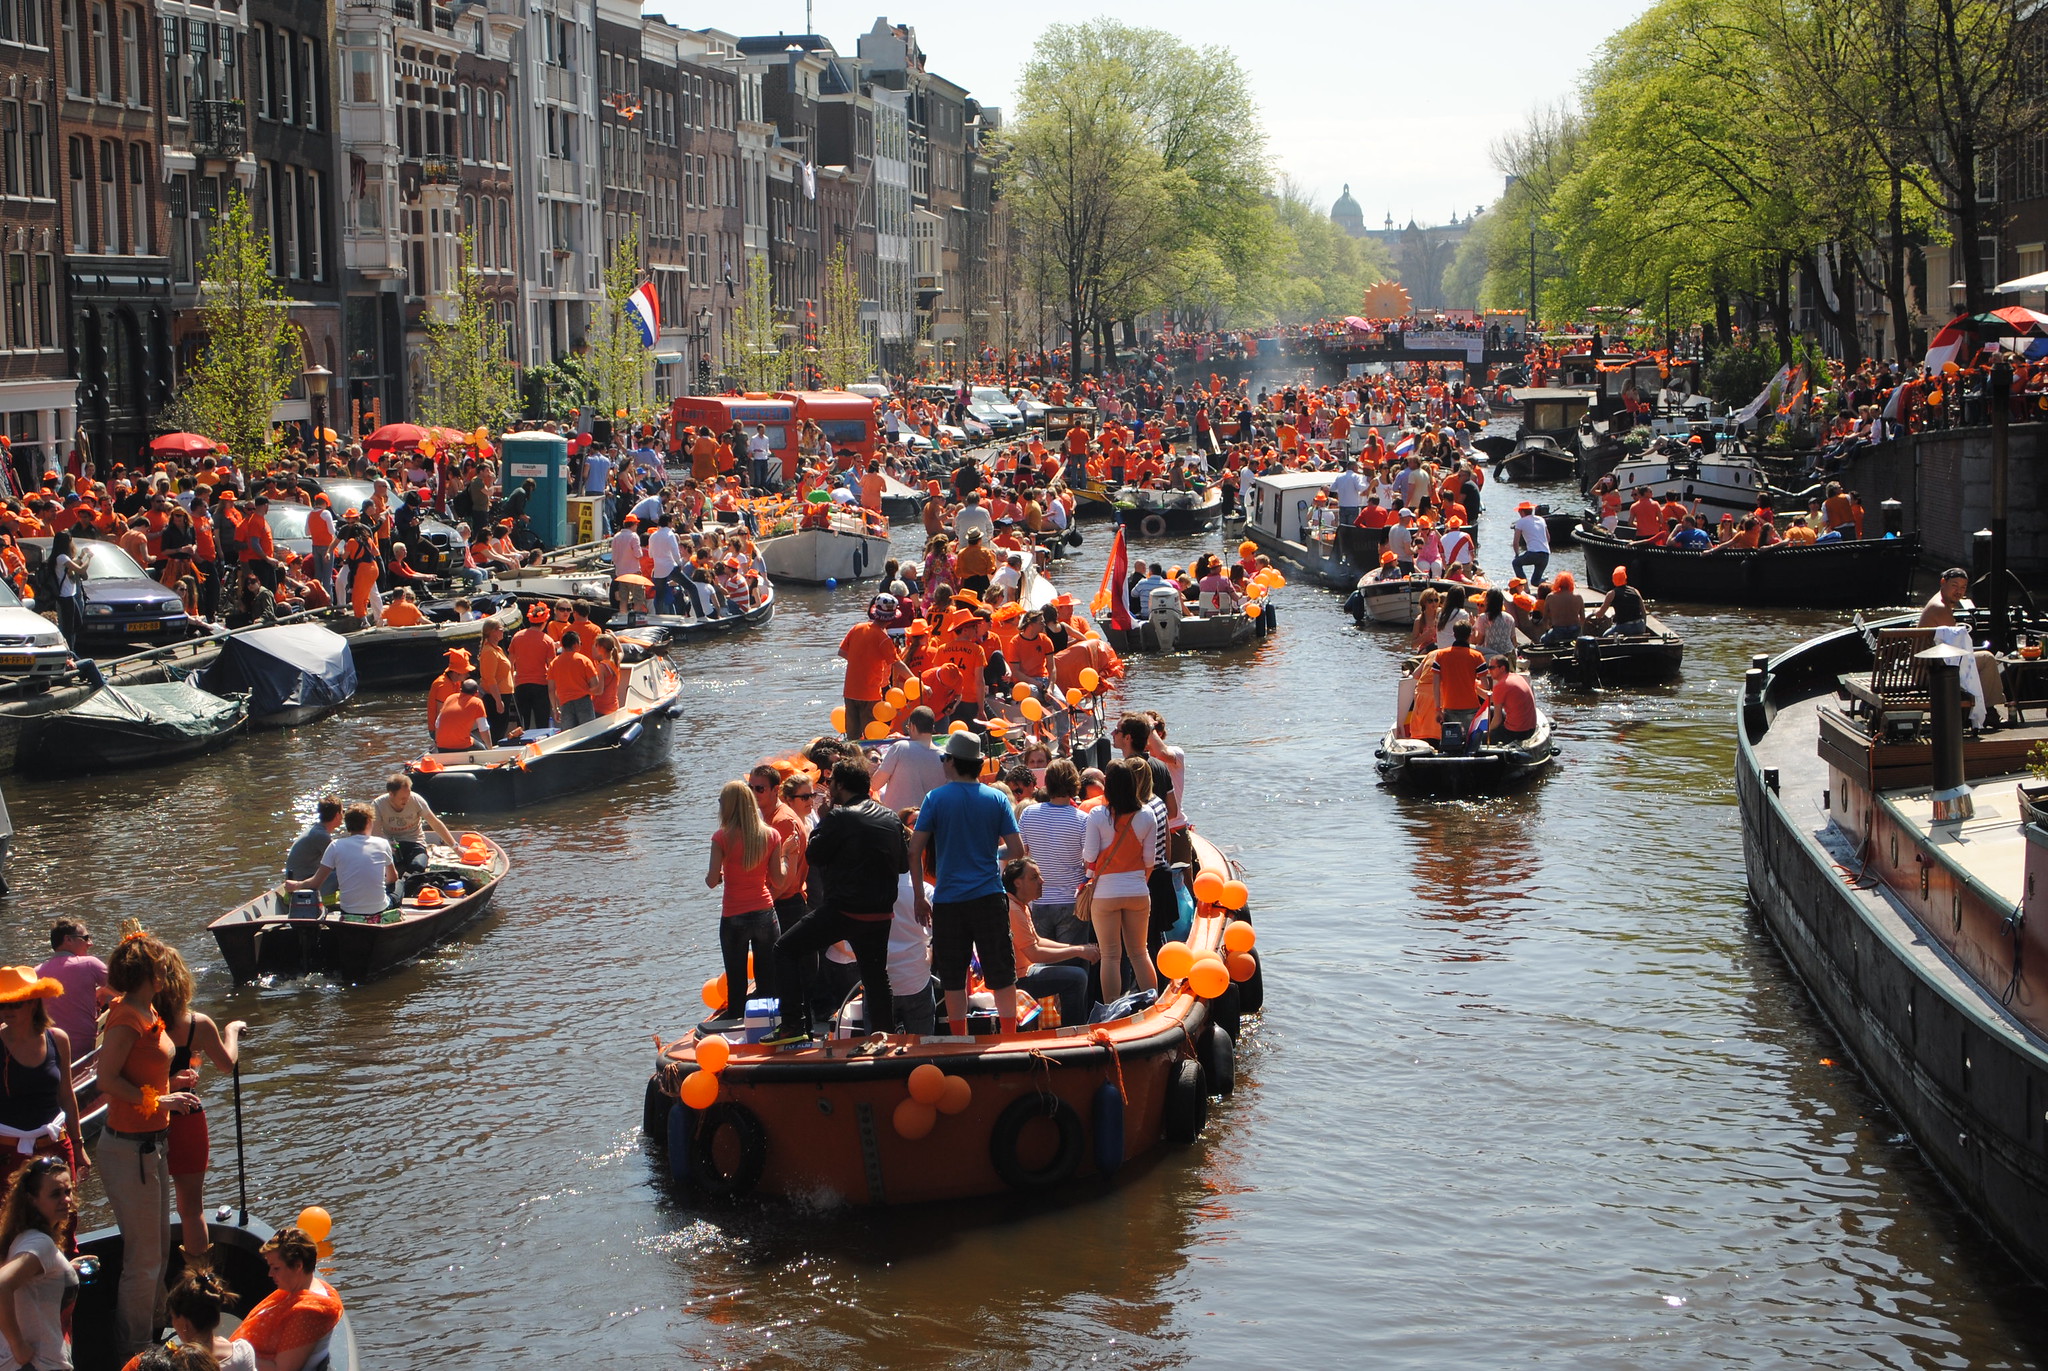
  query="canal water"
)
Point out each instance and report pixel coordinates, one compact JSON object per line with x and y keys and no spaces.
{"x":1532,"y":1084}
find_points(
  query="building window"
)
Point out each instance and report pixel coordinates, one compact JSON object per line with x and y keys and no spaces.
{"x":362,"y":77}
{"x":17,"y":300}
{"x":10,"y":147}
{"x":504,"y":235}
{"x":35,"y":153}
{"x":468,"y":143}
{"x":486,"y":235}
{"x":102,"y":62}
{"x":259,"y":58}
{"x":174,"y":69}
{"x":138,"y":199}
{"x":46,"y":303}
{"x":110,"y":197}
{"x":498,"y":128}
{"x":315,"y":233}
{"x":177,"y":195}
{"x":81,"y":240}
{"x":131,"y":57}
{"x":281,"y":74}
{"x":74,"y":67}
{"x":309,"y":84}
{"x":32,"y":23}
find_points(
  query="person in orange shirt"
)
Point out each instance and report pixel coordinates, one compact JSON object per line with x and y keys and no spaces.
{"x":495,"y":675}
{"x":871,"y":487}
{"x":403,"y":611}
{"x":446,"y":686}
{"x":573,"y":680}
{"x":872,"y":664}
{"x":1460,"y":672}
{"x":530,"y":651}
{"x":462,"y":722}
{"x":611,"y":679}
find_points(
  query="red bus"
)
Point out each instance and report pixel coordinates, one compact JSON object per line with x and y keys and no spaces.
{"x":778,"y":414}
{"x":847,"y":419}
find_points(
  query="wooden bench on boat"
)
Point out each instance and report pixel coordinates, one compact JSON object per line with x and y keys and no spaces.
{"x":1897,"y":680}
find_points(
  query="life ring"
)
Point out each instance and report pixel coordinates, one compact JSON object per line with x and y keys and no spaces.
{"x":1002,"y":1141}
{"x":1152,"y":526}
{"x":1219,"y":1061}
{"x":753,"y":1140}
{"x":1187,"y":1102}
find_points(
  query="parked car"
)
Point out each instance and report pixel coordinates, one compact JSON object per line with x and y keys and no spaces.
{"x":993,"y":407}
{"x":31,"y":648}
{"x":441,"y":544}
{"x":121,"y":601}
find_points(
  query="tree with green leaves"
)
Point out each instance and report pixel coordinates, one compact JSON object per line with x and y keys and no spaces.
{"x":846,"y":351}
{"x":616,"y":362}
{"x":758,"y":353}
{"x":469,"y":379}
{"x":251,"y":353}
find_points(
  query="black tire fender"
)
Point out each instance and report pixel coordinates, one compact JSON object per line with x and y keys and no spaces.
{"x":1219,"y":1061}
{"x":1002,"y":1141}
{"x":753,"y":1138}
{"x":1187,"y":1102}
{"x":1152,"y":526}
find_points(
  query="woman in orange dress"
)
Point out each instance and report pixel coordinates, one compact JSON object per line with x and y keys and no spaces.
{"x":293,"y":1321}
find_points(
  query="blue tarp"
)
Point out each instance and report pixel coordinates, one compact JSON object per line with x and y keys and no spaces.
{"x":290,"y":666}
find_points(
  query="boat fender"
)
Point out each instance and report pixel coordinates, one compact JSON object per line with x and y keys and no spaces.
{"x":1152,"y":526}
{"x":1109,"y":1128}
{"x":681,"y":1121}
{"x":1187,"y":1102}
{"x":1354,"y":605}
{"x":1226,"y":1011}
{"x":630,"y":734}
{"x":753,"y":1141}
{"x":1268,"y":620}
{"x":1219,"y":1061}
{"x":1073,"y":537}
{"x":1010,"y":1124}
{"x":654,"y":1112}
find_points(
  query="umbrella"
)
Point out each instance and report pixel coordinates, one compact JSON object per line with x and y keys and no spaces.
{"x":448,"y":437}
{"x":633,"y":579}
{"x":396,"y":435}
{"x":182,"y":442}
{"x":2010,"y":321}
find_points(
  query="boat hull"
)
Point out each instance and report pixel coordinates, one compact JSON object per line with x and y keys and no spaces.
{"x":1216,"y":633}
{"x":61,"y":744}
{"x":500,"y":790}
{"x":1172,"y":521}
{"x":405,"y":658}
{"x":1485,"y":771}
{"x":814,"y":556}
{"x":691,"y":629}
{"x":1317,"y":561}
{"x":1395,"y":603}
{"x":1851,"y":574}
{"x":1609,"y":660}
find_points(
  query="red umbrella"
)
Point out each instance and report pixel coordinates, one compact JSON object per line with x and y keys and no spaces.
{"x":2011,"y":321}
{"x":396,"y":435}
{"x":182,"y":443}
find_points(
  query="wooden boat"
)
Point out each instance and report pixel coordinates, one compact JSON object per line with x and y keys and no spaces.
{"x":117,"y":728}
{"x":1605,"y":659}
{"x":236,"y":1239}
{"x":813,"y":556}
{"x":1398,"y":601}
{"x":1211,"y":633}
{"x":1169,"y":513}
{"x":692,"y":628}
{"x":1921,"y":932}
{"x":1094,"y":501}
{"x":816,"y":1124}
{"x":1538,"y":457}
{"x":412,"y":656}
{"x":293,"y":674}
{"x":262,"y":938}
{"x":1418,"y":765}
{"x":1563,"y":526}
{"x":1847,"y":573}
{"x":631,"y":739}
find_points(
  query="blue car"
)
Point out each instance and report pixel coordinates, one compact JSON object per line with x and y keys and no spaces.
{"x":121,"y":601}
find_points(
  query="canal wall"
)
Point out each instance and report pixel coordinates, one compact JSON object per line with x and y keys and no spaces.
{"x":1943,"y":482}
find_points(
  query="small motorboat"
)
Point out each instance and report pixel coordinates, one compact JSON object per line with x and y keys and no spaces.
{"x":1399,"y":600}
{"x":848,"y":549}
{"x":1458,"y":768}
{"x":292,"y":674}
{"x":901,"y":503}
{"x":547,"y":764}
{"x":1611,"y":659}
{"x":1209,"y":633}
{"x":1538,"y":457}
{"x":1563,"y":526}
{"x":836,"y":1122}
{"x":116,"y":728}
{"x":1168,"y":513}
{"x":273,"y":935}
{"x":693,"y":627}
{"x":550,"y":581}
{"x":412,"y":656}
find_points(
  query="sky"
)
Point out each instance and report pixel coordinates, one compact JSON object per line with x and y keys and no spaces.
{"x":1399,"y":100}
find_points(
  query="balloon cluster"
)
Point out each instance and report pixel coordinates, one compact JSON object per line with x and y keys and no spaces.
{"x":700,"y":1088}
{"x":932,"y":1093}
{"x":1210,"y":973}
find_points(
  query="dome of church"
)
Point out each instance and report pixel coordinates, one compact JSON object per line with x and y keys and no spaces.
{"x":1347,"y":215}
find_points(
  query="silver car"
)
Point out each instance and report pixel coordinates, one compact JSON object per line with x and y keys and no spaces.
{"x":31,"y":648}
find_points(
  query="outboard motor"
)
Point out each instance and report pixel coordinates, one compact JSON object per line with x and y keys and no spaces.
{"x":1586,"y":658}
{"x":1164,"y":608}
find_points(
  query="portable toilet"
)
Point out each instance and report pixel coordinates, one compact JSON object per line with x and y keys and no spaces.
{"x":542,"y":458}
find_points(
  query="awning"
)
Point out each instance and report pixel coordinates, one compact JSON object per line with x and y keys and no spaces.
{"x":664,"y":359}
{"x":2038,"y":281}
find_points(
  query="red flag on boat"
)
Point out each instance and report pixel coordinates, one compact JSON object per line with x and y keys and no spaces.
{"x":1110,"y":596}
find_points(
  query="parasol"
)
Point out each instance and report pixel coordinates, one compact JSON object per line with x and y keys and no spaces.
{"x":396,"y":435}
{"x":182,"y":442}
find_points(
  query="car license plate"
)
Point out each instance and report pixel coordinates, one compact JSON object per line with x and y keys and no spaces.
{"x":145,"y":626}
{"x":16,"y":659}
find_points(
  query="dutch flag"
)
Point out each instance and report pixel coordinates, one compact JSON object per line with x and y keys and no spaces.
{"x":1405,"y":446}
{"x":645,"y":308}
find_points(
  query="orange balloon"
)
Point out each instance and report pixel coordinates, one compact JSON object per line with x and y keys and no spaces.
{"x":897,"y":697}
{"x":1209,"y":978}
{"x":913,"y":689}
{"x":1208,"y":886}
{"x":998,"y":727}
{"x":1239,"y":937}
{"x":1032,"y":710}
{"x":1074,"y":697}
{"x":1174,"y":960}
{"x":914,"y":1120}
{"x":700,"y":1090}
{"x":1020,"y":692}
{"x":713,"y":1054}
{"x":875,"y":729}
{"x":1242,"y":966}
{"x":1090,"y":678}
{"x":957,"y":726}
{"x":714,"y":993}
{"x":927,"y":1084}
{"x":885,"y":711}
{"x":958,"y":1095}
{"x":315,"y":1222}
{"x":839,"y":718}
{"x":1234,"y":895}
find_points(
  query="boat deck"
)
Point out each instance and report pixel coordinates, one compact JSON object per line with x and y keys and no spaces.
{"x":1988,"y":847}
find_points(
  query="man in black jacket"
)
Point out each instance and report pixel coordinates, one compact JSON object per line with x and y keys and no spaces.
{"x":856,"y":853}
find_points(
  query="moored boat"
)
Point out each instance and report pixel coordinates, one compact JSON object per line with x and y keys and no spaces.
{"x":267,"y":936}
{"x":401,"y":658}
{"x":1429,"y":768}
{"x":115,"y":728}
{"x":552,"y":763}
{"x":1398,"y":600}
{"x":1282,"y":517}
{"x":693,"y":627}
{"x":847,"y":551}
{"x":1206,"y":633}
{"x":820,"y":1123}
{"x":1538,"y":457}
{"x":1610,"y":659}
{"x":293,"y":674}
{"x":1168,"y":513}
{"x":1914,"y":910}
{"x":1844,"y":573}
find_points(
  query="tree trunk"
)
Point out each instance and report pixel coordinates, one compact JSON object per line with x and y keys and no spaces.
{"x":1781,"y":309}
{"x":1724,"y":322}
{"x":1842,"y":314}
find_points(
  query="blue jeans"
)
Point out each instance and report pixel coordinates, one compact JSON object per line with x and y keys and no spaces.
{"x":1539,"y":560}
{"x":1067,"y":981}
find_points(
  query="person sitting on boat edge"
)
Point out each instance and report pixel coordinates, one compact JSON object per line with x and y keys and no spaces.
{"x":402,"y":817}
{"x":462,"y":723}
{"x":1940,"y":612}
{"x":1045,"y":967}
{"x":1510,"y":707}
{"x":1564,"y":612}
{"x":289,"y":1328}
{"x":311,"y":846}
{"x":1624,"y":608}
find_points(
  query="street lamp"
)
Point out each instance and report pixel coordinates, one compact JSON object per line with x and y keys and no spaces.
{"x":318,"y":379}
{"x":703,"y":345}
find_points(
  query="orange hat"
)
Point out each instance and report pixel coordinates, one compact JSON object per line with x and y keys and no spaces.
{"x":1621,"y":575}
{"x":19,"y":983}
{"x":957,"y":620}
{"x":1247,"y":548}
{"x":458,"y":660}
{"x":1525,"y":508}
{"x":966,"y":597}
{"x":1525,"y":602}
{"x":1005,"y":613}
{"x":918,"y":629}
{"x":1388,"y":559}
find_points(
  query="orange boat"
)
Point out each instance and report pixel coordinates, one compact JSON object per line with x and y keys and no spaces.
{"x":899,"y":1119}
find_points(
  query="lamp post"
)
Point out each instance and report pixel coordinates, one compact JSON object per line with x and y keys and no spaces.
{"x":703,"y":346}
{"x":318,"y":379}
{"x":2000,"y":396}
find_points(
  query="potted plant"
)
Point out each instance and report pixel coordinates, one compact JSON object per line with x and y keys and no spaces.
{"x":2033,"y":790}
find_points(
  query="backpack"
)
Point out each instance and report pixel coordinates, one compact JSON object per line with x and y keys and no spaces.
{"x":43,"y":583}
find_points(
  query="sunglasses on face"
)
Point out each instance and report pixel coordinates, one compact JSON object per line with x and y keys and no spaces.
{"x":759,"y":789}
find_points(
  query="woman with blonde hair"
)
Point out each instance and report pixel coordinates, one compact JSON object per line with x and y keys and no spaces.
{"x":749,"y":859}
{"x":191,"y":1033}
{"x":1422,"y":634}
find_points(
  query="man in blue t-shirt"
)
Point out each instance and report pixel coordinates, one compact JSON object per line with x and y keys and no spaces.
{"x":965,"y":823}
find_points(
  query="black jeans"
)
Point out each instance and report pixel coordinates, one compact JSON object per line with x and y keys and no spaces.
{"x":739,"y":934}
{"x":532,"y":705}
{"x":963,"y":927}
{"x":812,"y":934}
